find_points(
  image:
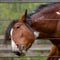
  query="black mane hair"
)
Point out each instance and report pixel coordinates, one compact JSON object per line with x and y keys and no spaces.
{"x":39,"y":8}
{"x":7,"y":32}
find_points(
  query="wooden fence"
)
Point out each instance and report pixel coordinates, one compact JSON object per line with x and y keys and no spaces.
{"x":35,"y":50}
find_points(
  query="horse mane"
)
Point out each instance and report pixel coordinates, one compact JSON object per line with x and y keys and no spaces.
{"x":7,"y":32}
{"x":39,"y":8}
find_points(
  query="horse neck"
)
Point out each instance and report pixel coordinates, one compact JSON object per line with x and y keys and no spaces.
{"x":45,"y":26}
{"x":38,"y":22}
{"x":31,"y":23}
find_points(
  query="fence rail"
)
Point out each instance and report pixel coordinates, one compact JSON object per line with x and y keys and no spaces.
{"x":35,"y":50}
{"x":7,"y":52}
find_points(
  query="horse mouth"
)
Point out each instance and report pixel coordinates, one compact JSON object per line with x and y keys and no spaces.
{"x":18,"y":53}
{"x":18,"y":50}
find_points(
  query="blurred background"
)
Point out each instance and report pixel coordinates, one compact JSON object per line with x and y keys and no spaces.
{"x":11,"y":11}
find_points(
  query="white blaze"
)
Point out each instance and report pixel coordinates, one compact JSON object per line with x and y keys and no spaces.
{"x":13,"y":45}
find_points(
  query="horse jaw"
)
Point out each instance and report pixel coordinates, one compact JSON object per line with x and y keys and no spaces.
{"x":13,"y":45}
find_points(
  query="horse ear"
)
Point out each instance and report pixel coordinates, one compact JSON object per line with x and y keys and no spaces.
{"x":26,"y":12}
{"x":23,"y":18}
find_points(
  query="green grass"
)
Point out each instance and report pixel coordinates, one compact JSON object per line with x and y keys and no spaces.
{"x":30,"y":58}
{"x":38,"y":58}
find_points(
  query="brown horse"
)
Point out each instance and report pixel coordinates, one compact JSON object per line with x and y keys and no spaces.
{"x":46,"y":20}
{"x":48,"y":25}
{"x":20,"y":34}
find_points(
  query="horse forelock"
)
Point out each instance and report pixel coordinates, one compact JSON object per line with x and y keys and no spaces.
{"x":8,"y":30}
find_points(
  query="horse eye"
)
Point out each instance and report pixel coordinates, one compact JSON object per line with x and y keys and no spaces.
{"x":18,"y":27}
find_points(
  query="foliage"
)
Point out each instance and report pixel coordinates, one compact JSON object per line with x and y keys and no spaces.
{"x":10,"y":11}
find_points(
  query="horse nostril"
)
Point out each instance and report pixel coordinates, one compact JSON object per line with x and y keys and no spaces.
{"x":21,"y":47}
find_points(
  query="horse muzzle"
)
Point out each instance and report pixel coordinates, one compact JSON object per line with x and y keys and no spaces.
{"x":18,"y":49}
{"x":21,"y":51}
{"x":21,"y":48}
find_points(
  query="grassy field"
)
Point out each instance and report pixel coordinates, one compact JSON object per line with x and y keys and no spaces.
{"x":24,"y":58}
{"x":30,"y":58}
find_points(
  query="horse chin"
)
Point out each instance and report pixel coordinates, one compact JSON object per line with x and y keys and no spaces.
{"x":23,"y":53}
{"x":19,"y":53}
{"x":16,"y":50}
